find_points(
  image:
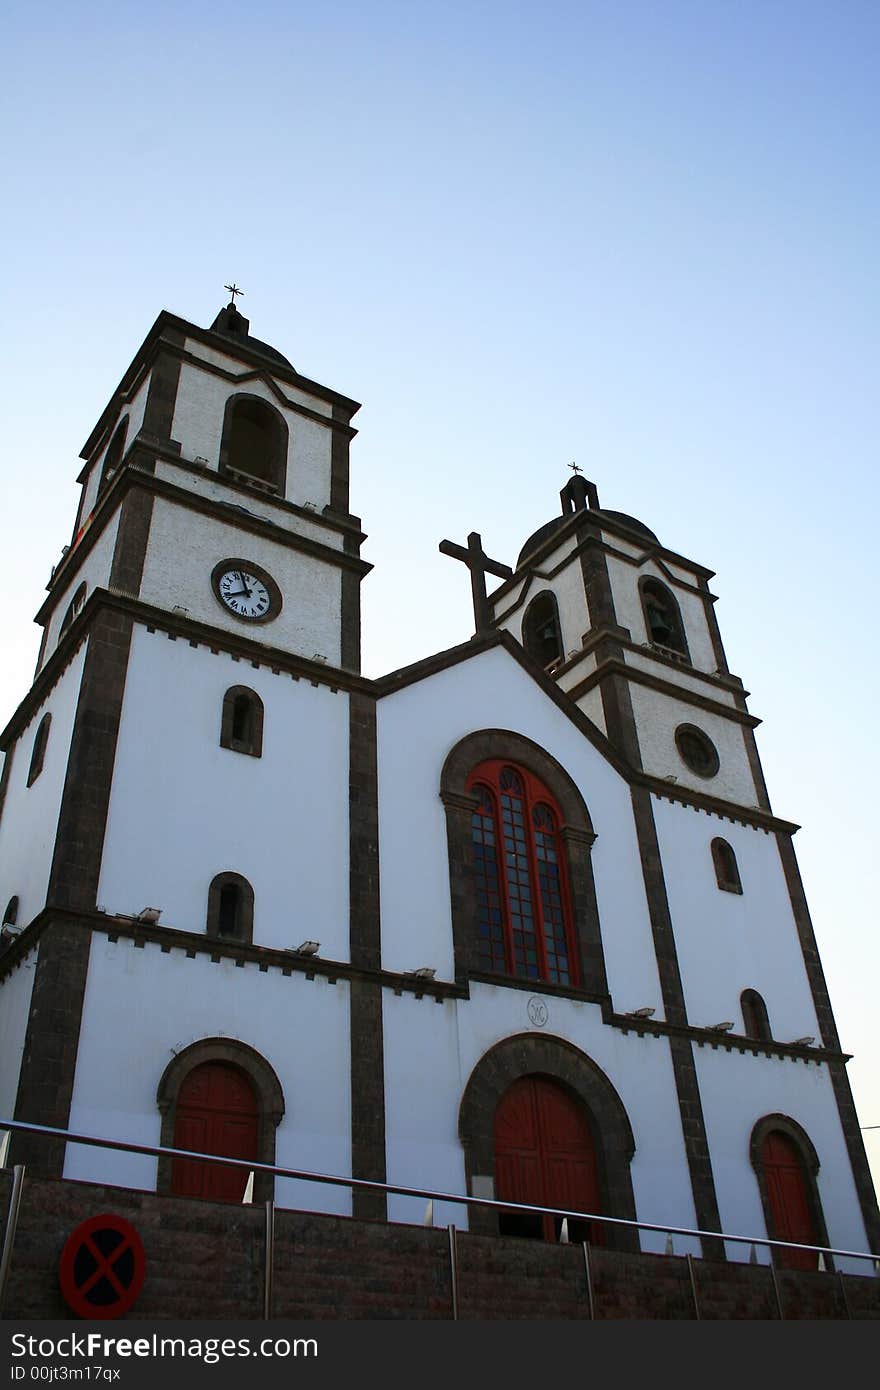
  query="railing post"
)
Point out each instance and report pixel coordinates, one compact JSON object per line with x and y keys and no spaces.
{"x":453,"y":1270}
{"x":693,"y":1276}
{"x":269,"y":1265}
{"x":843,"y":1293}
{"x":9,"y":1233}
{"x":776,"y":1289}
{"x":588,"y":1270}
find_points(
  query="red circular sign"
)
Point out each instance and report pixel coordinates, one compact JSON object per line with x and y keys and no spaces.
{"x":102,"y":1267}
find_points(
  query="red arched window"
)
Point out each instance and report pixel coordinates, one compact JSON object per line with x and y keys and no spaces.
{"x":524,"y":912}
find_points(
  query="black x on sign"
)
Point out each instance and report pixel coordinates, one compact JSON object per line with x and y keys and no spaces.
{"x":102,"y":1267}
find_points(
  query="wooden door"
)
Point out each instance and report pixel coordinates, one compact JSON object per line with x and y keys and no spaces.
{"x":791,"y":1216}
{"x":544,"y":1156}
{"x":217,"y":1113}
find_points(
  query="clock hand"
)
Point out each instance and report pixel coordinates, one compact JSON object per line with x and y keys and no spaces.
{"x":245,"y":590}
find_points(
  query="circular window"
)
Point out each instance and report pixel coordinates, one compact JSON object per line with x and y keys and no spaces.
{"x":698,"y":751}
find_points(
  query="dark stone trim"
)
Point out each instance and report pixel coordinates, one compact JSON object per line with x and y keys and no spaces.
{"x":350,"y":599}
{"x":132,"y":537}
{"x":527,"y":1055}
{"x":162,"y":390}
{"x":245,"y":918}
{"x":714,"y":630}
{"x":366,"y":1032}
{"x":761,"y":794}
{"x":597,"y":636}
{"x":262,"y":1076}
{"x":612,"y":662}
{"x":576,"y":832}
{"x":690,"y":1105}
{"x":253,"y":746}
{"x":620,"y":724}
{"x":339,"y":462}
{"x":52,"y":1036}
{"x":713,"y":805}
{"x":828,"y":1033}
{"x":810,"y":1166}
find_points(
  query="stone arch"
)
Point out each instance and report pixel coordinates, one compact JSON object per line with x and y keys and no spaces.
{"x":254,"y":444}
{"x":262,"y":1076}
{"x":230,"y":890}
{"x":527,"y":1054}
{"x":798,"y":1136}
{"x":576,"y":833}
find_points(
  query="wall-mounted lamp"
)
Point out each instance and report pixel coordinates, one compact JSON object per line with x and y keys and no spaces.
{"x":425,"y":972}
{"x":308,"y":948}
{"x":149,"y":914}
{"x":719,"y":1027}
{"x":802,"y":1042}
{"x":640,"y":1013}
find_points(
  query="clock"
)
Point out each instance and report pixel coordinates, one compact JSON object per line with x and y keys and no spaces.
{"x":246,"y":590}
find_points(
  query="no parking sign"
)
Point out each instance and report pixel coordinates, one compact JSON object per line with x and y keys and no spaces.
{"x":102,"y":1267}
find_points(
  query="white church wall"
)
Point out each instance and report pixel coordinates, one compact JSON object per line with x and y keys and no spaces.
{"x":30,"y":813}
{"x":93,"y":571}
{"x":681,"y":676}
{"x":183,"y":809}
{"x":590,"y":704}
{"x":737,"y":1091}
{"x":15,"y":1002}
{"x":639,"y":1068}
{"x":198,"y":428}
{"x":658,"y":716}
{"x":127,"y":1039}
{"x":181,"y":557}
{"x":258,"y":504}
{"x":628,"y":607}
{"x":728,"y":942}
{"x":423,"y":1086}
{"x":417,"y":727}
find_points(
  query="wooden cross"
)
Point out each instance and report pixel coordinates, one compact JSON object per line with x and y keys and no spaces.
{"x":233,"y":290}
{"x":479,"y":565}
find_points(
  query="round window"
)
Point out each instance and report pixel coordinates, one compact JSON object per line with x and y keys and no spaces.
{"x":698,"y":751}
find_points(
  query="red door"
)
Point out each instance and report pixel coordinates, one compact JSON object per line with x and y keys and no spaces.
{"x":544,"y":1156}
{"x":790,"y":1214}
{"x":216,"y":1114}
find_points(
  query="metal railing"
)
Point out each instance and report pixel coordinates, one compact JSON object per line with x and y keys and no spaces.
{"x":397,"y":1189}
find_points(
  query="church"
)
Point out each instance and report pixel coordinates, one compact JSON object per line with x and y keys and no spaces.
{"x":516,"y":921}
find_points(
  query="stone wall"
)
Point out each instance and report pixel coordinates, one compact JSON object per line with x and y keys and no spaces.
{"x":206,"y":1260}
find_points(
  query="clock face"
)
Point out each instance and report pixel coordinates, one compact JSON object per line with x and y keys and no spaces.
{"x":246,"y":590}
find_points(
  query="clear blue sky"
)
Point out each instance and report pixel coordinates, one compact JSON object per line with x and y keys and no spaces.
{"x":639,"y":235}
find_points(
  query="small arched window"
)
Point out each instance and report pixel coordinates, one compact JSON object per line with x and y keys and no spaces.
{"x":73,"y":608}
{"x":524,"y":918}
{"x":542,"y":635}
{"x":726,"y":867}
{"x":756,"y":1023}
{"x":254,"y":445}
{"x":38,"y":752}
{"x":231,"y":908}
{"x":241,"y":725}
{"x":10,"y":916}
{"x":662,"y":618}
{"x":113,"y":455}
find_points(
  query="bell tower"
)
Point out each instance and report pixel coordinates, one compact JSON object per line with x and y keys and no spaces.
{"x":627,"y":629}
{"x":215,"y":487}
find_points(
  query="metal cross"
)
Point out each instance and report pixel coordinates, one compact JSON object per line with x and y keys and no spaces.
{"x":233,"y":290}
{"x":572,"y":466}
{"x":479,"y":565}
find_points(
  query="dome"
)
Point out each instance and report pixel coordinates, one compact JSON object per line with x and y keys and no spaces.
{"x":234,"y":325}
{"x":543,"y":533}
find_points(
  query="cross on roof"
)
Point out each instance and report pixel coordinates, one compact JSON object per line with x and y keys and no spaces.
{"x":479,"y":565}
{"x":233,"y":290}
{"x":573,"y":466}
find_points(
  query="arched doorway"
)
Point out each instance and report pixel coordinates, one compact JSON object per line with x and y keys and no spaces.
{"x":788,"y":1198}
{"x":217,"y":1113}
{"x":545,"y":1156}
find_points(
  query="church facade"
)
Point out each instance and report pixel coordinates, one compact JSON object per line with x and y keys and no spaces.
{"x":516,"y":921}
